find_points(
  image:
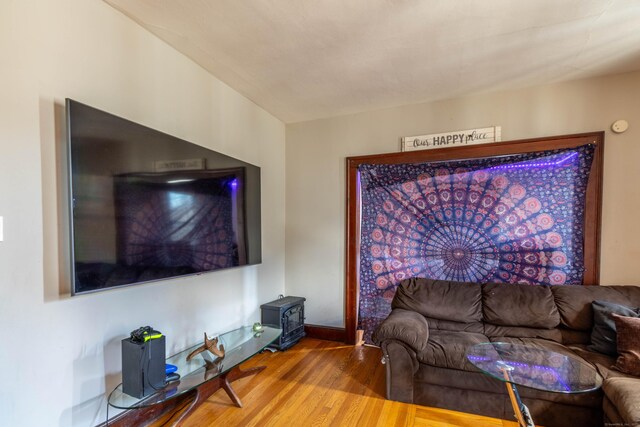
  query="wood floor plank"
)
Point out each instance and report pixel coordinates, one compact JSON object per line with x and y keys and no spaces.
{"x":310,"y":395}
{"x":437,"y":417}
{"x":360,"y":389}
{"x":283,"y":379}
{"x":324,"y":384}
{"x":347,"y":383}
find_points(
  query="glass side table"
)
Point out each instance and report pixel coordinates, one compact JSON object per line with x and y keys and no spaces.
{"x":203,"y":375}
{"x":533,"y":367}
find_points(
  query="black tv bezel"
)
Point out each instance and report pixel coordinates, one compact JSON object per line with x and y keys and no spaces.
{"x":71,"y":204}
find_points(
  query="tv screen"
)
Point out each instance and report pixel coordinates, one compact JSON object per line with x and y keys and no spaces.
{"x":148,"y":206}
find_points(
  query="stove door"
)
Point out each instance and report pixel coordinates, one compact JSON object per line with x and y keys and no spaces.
{"x":293,"y":323}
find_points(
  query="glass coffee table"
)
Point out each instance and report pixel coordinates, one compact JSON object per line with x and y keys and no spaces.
{"x":203,"y":375}
{"x":533,"y":367}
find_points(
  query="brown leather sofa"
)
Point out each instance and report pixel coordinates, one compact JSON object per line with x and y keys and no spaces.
{"x":432,"y":324}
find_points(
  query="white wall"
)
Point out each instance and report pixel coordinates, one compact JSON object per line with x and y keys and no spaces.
{"x":59,"y":355}
{"x":316,"y":152}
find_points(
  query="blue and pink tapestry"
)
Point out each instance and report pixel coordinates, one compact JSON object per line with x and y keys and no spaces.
{"x":511,"y":219}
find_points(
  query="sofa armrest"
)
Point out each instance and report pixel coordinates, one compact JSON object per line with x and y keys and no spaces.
{"x":408,"y":327}
{"x":400,"y":365}
{"x":622,"y":393}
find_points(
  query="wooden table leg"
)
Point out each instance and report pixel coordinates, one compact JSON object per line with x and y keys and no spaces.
{"x":231,"y":393}
{"x":200,"y":394}
{"x":204,"y":391}
{"x":235,"y":374}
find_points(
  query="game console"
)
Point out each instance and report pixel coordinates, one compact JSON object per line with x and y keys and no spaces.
{"x":143,"y":362}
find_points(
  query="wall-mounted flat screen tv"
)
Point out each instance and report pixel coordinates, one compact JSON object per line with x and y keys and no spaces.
{"x":148,"y":206}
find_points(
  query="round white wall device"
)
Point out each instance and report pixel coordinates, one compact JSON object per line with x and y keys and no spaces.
{"x":620,"y":126}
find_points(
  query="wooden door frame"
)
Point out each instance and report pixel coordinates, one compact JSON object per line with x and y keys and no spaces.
{"x":593,"y":202}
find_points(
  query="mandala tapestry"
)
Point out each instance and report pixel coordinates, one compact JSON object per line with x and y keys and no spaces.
{"x":511,"y":219}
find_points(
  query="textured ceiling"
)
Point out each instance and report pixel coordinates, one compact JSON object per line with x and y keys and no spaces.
{"x":308,"y":59}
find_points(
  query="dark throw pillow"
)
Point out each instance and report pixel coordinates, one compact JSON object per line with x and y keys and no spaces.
{"x":628,"y":332}
{"x":603,"y":334}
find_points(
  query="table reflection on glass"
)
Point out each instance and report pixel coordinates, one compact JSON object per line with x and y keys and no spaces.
{"x":537,"y":368}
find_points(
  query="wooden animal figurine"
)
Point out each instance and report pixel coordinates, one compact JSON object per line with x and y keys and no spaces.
{"x":210,"y":345}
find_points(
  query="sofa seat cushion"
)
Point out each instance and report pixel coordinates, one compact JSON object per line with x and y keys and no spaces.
{"x":570,"y":336}
{"x":447,"y":349}
{"x":519,"y":305}
{"x":447,"y":325}
{"x":602,"y":362}
{"x":624,"y":394}
{"x":521,"y":332}
{"x":537,"y":343}
{"x":478,"y":381}
{"x":587,"y":375}
{"x":440,"y":299}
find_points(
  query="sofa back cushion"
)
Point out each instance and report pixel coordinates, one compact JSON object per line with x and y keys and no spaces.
{"x":603,"y":334}
{"x":519,"y":305}
{"x":632,"y":293}
{"x":440,"y":299}
{"x":574,"y":302}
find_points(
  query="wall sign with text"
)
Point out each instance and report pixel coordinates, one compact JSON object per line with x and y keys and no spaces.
{"x":452,"y":139}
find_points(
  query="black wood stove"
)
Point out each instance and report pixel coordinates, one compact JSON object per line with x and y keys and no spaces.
{"x":286,"y":313}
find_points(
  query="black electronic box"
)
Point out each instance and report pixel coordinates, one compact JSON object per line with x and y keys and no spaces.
{"x":143,"y":366}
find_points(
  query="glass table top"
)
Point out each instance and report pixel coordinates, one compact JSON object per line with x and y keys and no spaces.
{"x":534,"y":367}
{"x":240,"y":345}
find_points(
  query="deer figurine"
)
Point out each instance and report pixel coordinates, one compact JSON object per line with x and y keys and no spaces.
{"x":210,"y":345}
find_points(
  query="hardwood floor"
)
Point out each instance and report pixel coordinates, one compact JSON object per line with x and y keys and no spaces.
{"x":320,"y":383}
